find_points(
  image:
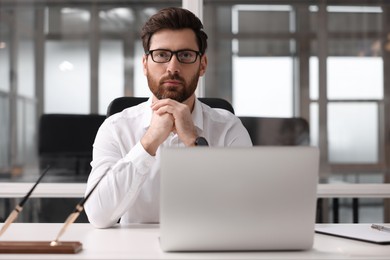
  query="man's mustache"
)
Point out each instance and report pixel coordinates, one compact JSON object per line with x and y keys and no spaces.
{"x":172,"y":77}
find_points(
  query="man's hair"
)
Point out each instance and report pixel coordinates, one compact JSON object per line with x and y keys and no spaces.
{"x":174,"y":18}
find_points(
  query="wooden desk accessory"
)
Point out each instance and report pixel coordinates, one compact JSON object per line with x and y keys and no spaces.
{"x":44,"y":247}
{"x":39,"y":247}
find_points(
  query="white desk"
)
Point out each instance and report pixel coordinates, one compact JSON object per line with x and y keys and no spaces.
{"x":76,"y":190}
{"x":141,"y":242}
{"x":43,"y":190}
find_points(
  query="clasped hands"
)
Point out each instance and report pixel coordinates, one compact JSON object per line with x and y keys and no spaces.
{"x":169,"y":116}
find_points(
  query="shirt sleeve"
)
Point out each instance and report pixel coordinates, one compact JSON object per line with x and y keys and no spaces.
{"x":118,"y":190}
{"x":237,"y":135}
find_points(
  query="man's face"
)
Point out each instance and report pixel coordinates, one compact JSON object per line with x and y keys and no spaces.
{"x":173,"y":79}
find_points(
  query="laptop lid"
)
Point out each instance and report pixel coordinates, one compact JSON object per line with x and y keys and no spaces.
{"x":234,"y":199}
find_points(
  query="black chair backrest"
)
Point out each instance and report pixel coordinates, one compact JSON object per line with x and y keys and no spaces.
{"x":65,"y":143}
{"x":68,"y":133}
{"x":262,"y":130}
{"x":277,"y":131}
{"x":118,"y":104}
{"x":65,"y":140}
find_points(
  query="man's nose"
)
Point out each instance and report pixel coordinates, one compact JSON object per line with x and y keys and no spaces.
{"x":174,"y":65}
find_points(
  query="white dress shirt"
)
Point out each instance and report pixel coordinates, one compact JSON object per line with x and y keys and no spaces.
{"x":130,"y":190}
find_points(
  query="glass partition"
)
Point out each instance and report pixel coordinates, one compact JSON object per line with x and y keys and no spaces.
{"x":325,"y":62}
{"x":67,"y":84}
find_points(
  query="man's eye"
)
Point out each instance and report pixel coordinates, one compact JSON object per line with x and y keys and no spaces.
{"x":186,"y":55}
{"x":162,"y":54}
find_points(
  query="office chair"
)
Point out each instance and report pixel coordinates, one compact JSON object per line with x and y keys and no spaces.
{"x":118,"y":104}
{"x":65,"y":143}
{"x":277,"y":131}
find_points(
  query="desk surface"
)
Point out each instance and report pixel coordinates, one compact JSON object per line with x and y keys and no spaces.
{"x":141,"y":242}
{"x":76,"y":190}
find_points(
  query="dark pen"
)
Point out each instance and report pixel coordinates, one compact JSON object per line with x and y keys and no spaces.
{"x":74,"y":215}
{"x":19,"y":207}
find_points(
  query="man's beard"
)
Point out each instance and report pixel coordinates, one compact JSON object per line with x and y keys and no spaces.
{"x":178,"y":93}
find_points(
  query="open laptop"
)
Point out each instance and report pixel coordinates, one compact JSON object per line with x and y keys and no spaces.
{"x":238,"y":199}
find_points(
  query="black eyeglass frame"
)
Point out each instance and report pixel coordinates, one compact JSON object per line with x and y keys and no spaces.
{"x":176,"y":53}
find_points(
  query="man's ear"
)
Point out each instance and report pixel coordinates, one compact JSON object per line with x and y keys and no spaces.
{"x":203,"y":65}
{"x":144,"y":64}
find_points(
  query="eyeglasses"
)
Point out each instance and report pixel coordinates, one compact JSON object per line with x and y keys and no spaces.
{"x":164,"y":56}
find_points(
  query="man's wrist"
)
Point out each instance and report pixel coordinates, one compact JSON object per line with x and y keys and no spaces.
{"x":149,"y":145}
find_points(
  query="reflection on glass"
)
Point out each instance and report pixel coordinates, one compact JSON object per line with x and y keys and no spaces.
{"x":26,"y":68}
{"x":266,"y":18}
{"x":141,"y":88}
{"x":120,"y":19}
{"x":26,"y":133}
{"x":67,"y":73}
{"x":354,"y":18}
{"x":263,"y":86}
{"x":4,"y":64}
{"x":262,"y":67}
{"x":353,"y":132}
{"x":314,"y":78}
{"x":111,"y":73}
{"x":30,"y":132}
{"x":20,"y":158}
{"x":259,"y":47}
{"x":69,"y":20}
{"x":365,"y":47}
{"x":4,"y":133}
{"x":5,"y":48}
{"x":355,"y":77}
{"x":314,"y":124}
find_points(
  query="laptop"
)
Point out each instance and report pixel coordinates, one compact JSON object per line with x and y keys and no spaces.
{"x":238,"y":199}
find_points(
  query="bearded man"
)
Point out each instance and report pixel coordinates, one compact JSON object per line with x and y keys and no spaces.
{"x":128,"y":144}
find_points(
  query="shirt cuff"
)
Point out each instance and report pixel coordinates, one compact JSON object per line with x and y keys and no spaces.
{"x":140,"y":158}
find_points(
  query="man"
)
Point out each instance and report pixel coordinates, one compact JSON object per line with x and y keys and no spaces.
{"x":128,"y":144}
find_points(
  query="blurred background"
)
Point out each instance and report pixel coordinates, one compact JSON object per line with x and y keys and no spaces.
{"x":326,"y":61}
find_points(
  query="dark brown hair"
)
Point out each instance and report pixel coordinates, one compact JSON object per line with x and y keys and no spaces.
{"x":174,"y":18}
